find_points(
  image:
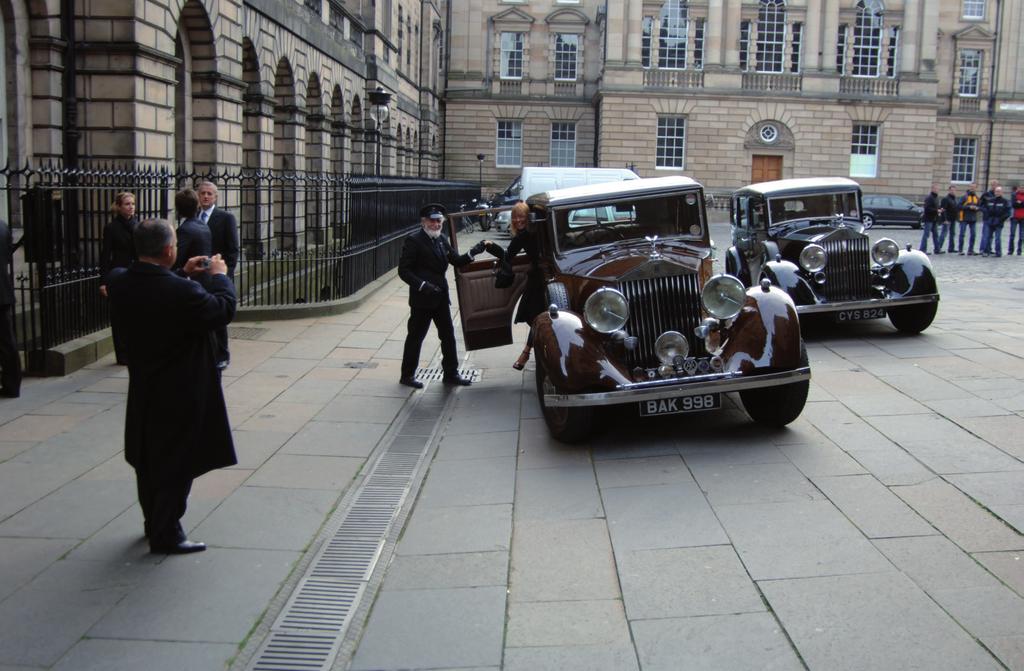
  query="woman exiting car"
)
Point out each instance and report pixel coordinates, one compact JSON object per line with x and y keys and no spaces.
{"x":532,"y":302}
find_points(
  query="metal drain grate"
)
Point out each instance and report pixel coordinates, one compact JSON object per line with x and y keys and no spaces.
{"x":348,"y":559}
{"x":320,"y":605}
{"x":435,"y":374}
{"x":288,"y":651}
{"x":397,"y":463}
{"x":245,"y":332}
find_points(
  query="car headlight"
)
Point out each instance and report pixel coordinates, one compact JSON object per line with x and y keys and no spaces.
{"x":606,"y":310}
{"x":723,"y":296}
{"x":885,"y":252}
{"x":813,"y":258}
{"x":669,"y":345}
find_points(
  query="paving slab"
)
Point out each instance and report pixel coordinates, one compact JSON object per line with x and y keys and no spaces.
{"x":21,"y":559}
{"x":798,"y":539}
{"x":641,"y":471}
{"x":557,"y":493}
{"x":113,"y":655}
{"x":372,"y":409}
{"x":869,"y":504}
{"x":943,"y":446}
{"x":212,"y":597}
{"x":561,"y":658}
{"x":1008,"y":567}
{"x":469,"y":482}
{"x":871,"y":621}
{"x":683,"y":582}
{"x":471,"y":569}
{"x":430,"y":629}
{"x":562,"y":560}
{"x":335,"y":439}
{"x":821,"y":458}
{"x":478,"y":446}
{"x":76,"y":510}
{"x":753,"y":641}
{"x":303,"y":471}
{"x":753,"y":483}
{"x":566,"y":623}
{"x":537,"y":449}
{"x":663,"y":516}
{"x":442,"y":531}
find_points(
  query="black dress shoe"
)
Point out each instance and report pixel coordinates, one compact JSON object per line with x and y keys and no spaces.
{"x":180,"y":548}
{"x":411,"y":382}
{"x":457,"y":380}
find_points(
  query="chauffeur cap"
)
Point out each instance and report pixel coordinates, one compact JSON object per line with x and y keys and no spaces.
{"x":433,"y":211}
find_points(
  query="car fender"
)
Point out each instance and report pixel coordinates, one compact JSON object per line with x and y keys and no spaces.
{"x":734,"y":261}
{"x":911,"y":275}
{"x":786,"y":275}
{"x":765,"y":335}
{"x":574,"y":355}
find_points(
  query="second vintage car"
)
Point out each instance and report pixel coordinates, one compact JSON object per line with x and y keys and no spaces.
{"x":806,"y":236}
{"x":636,"y":315}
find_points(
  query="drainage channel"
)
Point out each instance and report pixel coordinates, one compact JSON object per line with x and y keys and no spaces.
{"x":311,"y":627}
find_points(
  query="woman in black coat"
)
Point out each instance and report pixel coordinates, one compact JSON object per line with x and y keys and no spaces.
{"x":532,"y":302}
{"x":118,"y":251}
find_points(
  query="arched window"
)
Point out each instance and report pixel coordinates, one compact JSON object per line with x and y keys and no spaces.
{"x":867,"y":39}
{"x":672,"y":35}
{"x":771,"y":35}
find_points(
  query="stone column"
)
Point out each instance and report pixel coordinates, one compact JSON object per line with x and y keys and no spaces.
{"x":713,"y":36}
{"x":289,"y":153}
{"x":812,"y":38}
{"x":911,"y":38}
{"x":928,"y":53}
{"x":830,"y":37}
{"x":257,"y":155}
{"x":732,"y":33}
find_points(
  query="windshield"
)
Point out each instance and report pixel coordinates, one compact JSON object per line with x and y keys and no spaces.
{"x":678,"y":215}
{"x":817,"y":206}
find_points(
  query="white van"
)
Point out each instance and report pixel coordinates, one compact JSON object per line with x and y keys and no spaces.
{"x":539,"y":180}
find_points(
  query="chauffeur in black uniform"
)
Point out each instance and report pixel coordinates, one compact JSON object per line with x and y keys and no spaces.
{"x":423,"y":265}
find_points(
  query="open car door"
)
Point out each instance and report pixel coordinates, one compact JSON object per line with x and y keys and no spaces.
{"x":485,"y":312}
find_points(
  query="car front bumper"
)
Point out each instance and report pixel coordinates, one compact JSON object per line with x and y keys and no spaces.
{"x":821,"y":308}
{"x":670,"y":388}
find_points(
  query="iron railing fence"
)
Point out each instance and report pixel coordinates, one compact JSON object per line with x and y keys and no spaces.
{"x":305,"y":237}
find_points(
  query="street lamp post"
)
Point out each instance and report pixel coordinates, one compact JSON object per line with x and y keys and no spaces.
{"x":480,"y":159}
{"x":379,"y":111}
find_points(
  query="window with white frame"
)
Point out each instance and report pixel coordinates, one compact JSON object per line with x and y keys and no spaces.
{"x":671,"y":151}
{"x":867,"y":39}
{"x":563,"y":144}
{"x":965,"y":158}
{"x":672,"y":35}
{"x":892,"y":61}
{"x":698,"y":44}
{"x":567,"y":48}
{"x":841,"y":41}
{"x":864,"y":151}
{"x":970,"y":73}
{"x":771,"y":35}
{"x":744,"y":45}
{"x":974,"y":9}
{"x":645,"y":41}
{"x":508,"y":152}
{"x":512,"y":55}
{"x":795,"y":55}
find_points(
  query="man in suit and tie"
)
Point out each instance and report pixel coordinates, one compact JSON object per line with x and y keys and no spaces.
{"x":193,"y":235}
{"x":423,"y":266}
{"x":224,"y":238}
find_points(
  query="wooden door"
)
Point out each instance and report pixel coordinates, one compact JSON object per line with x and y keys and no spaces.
{"x":766,"y":168}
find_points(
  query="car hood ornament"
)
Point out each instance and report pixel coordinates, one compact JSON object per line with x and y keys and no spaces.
{"x":653,"y":239}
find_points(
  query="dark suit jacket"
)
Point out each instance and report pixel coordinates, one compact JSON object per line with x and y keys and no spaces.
{"x":176,"y":424}
{"x":224,"y":237}
{"x":7,"y":248}
{"x":420,"y":263}
{"x":193,"y":240}
{"x":118,"y":250}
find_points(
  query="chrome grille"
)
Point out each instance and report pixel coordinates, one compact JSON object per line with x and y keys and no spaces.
{"x":658,"y":305}
{"x":848,"y":273}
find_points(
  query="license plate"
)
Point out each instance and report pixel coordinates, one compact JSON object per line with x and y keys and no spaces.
{"x":857,"y":315}
{"x":672,"y":406}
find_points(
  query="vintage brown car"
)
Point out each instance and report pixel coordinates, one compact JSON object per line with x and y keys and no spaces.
{"x":636,"y":316}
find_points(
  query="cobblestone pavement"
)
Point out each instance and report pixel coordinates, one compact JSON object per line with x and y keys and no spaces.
{"x":882,"y":529}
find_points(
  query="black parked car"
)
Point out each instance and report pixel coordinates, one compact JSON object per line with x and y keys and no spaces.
{"x":806,"y":237}
{"x":885,"y":210}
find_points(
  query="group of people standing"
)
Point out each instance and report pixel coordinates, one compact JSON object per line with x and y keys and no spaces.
{"x":992,"y":209}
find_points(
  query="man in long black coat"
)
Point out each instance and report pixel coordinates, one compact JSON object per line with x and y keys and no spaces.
{"x":176,"y":426}
{"x":223,"y":241}
{"x":10,"y":360}
{"x":423,"y":266}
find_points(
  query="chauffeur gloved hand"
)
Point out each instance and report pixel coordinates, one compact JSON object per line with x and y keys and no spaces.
{"x":478,"y":248}
{"x":430,"y":288}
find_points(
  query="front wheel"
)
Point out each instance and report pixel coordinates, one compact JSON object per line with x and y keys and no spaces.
{"x":777,"y":406}
{"x":869,"y":221}
{"x":569,"y":425}
{"x":912,"y":319}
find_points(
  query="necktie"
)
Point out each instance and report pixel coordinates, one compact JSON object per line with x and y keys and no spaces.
{"x":439,"y":247}
{"x":203,"y":216}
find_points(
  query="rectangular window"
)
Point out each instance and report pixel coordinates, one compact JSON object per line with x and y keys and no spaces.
{"x":563,"y":144}
{"x":794,"y":57}
{"x":645,"y":41}
{"x":974,"y":9}
{"x":672,"y":36}
{"x":508,"y":152}
{"x":744,"y":45}
{"x":892,"y":63}
{"x":771,"y":38}
{"x":867,"y":45}
{"x":512,"y":55}
{"x":698,"y":44}
{"x":970,"y":73}
{"x":841,"y":50}
{"x":671,"y":152}
{"x":864,"y":151}
{"x":965,"y":157}
{"x":566,"y":53}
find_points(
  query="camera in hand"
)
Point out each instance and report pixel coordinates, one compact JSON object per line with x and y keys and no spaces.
{"x":204,"y":262}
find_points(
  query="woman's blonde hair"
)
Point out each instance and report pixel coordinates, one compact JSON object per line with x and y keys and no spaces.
{"x":521,"y":209}
{"x":119,"y":199}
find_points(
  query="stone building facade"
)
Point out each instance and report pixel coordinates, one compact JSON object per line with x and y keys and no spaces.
{"x":894,"y":93}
